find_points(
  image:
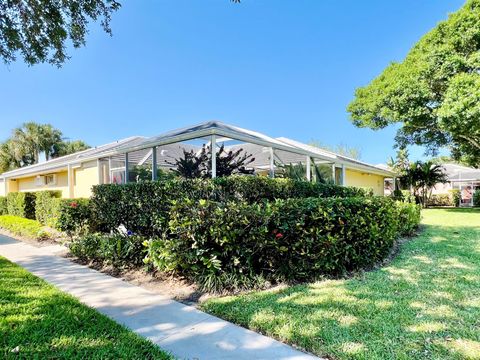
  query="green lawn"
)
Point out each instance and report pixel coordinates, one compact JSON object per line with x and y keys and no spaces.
{"x":424,"y":305}
{"x":45,"y":323}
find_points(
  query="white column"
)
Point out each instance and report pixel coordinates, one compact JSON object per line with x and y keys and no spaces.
{"x":99,"y":172}
{"x":154,"y":163}
{"x":70,"y":182}
{"x":213,"y":151}
{"x":333,"y":174}
{"x":309,"y":165}
{"x":126,"y":168}
{"x":272,"y":163}
{"x":344,"y":179}
{"x":109,"y":170}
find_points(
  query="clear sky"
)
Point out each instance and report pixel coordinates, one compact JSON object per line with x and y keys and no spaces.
{"x":282,"y":67}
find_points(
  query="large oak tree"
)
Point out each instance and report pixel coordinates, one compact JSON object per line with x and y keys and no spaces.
{"x":434,"y":93}
{"x":39,"y":30}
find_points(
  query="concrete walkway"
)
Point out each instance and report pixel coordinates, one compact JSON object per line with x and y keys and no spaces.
{"x":183,"y":330}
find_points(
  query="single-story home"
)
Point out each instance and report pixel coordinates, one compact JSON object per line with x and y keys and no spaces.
{"x":75,"y":174}
{"x":463,"y":178}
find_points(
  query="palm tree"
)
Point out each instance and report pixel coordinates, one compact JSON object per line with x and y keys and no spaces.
{"x":28,"y":141}
{"x":421,"y":178}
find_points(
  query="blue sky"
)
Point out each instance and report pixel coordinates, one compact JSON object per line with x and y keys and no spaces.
{"x":282,"y":67}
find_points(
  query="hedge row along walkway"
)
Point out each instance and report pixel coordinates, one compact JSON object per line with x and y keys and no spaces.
{"x":183,"y":330}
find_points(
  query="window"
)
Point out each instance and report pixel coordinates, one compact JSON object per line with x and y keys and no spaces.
{"x":118,"y":176}
{"x":50,"y":179}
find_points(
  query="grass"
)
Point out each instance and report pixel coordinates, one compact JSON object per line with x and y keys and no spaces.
{"x":23,"y":227}
{"x":37,"y":321}
{"x":424,"y":305}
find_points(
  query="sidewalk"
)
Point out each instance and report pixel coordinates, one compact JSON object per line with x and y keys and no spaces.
{"x":183,"y":330}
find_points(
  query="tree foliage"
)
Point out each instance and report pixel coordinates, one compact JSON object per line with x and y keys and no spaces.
{"x":434,"y":93}
{"x":341,"y":149}
{"x":39,"y":30}
{"x":70,"y":147}
{"x":421,"y":177}
{"x":30,"y":140}
{"x":199,"y":164}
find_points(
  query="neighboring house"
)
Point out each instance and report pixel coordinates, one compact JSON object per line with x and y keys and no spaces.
{"x":463,"y":178}
{"x":459,"y":177}
{"x":75,"y":175}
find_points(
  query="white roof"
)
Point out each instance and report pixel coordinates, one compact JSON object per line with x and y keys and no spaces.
{"x":225,"y":133}
{"x":72,"y":159}
{"x":456,"y":172}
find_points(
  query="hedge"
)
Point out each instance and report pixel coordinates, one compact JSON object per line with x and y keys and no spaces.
{"x":117,"y":250}
{"x":143,"y":207}
{"x":24,"y":227}
{"x":47,"y":207}
{"x":216,"y":243}
{"x":456,"y":195}
{"x":441,"y":200}
{"x":75,"y":216}
{"x":3,"y":205}
{"x":21,"y":204}
{"x":476,"y":198}
{"x":68,"y":215}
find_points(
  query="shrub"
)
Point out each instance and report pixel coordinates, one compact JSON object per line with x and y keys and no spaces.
{"x":24,"y":227}
{"x":456,"y":195}
{"x":441,"y":200}
{"x":21,"y":204}
{"x":116,"y":250}
{"x":74,"y":216}
{"x":47,"y":207}
{"x":409,"y":217}
{"x":294,"y":239}
{"x":476,"y":198}
{"x":144,"y":207}
{"x":3,"y":205}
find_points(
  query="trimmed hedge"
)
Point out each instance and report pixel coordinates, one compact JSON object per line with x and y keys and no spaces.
{"x":75,"y":216}
{"x":21,"y":204}
{"x":476,"y":198}
{"x":67,"y":215}
{"x":441,"y":200}
{"x":294,"y":240}
{"x":143,"y":207}
{"x":117,"y":250}
{"x":3,"y":205}
{"x":47,"y":207}
{"x":409,"y":217}
{"x":24,"y":227}
{"x":456,"y":195}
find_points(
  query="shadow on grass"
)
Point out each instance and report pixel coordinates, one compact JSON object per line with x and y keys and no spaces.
{"x":38,"y":321}
{"x":424,"y":304}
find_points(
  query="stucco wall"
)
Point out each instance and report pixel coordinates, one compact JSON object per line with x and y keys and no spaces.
{"x":85,"y":177}
{"x":28,"y":184}
{"x":364,"y":180}
{"x":2,"y":187}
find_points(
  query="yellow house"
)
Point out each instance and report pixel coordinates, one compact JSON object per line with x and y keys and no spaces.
{"x":73,"y":175}
{"x":138,"y":157}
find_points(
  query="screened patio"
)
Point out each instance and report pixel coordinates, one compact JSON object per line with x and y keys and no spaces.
{"x":147,"y":157}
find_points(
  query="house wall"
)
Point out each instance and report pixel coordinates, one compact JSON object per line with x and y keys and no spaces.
{"x":85,"y":177}
{"x":365,"y":180}
{"x":28,"y":184}
{"x":442,"y":188}
{"x":2,"y":188}
{"x":12,"y":186}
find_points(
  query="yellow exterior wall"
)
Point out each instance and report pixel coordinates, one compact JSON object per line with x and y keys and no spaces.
{"x":365,"y":180}
{"x":28,"y":184}
{"x":85,"y":177}
{"x":12,"y":186}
